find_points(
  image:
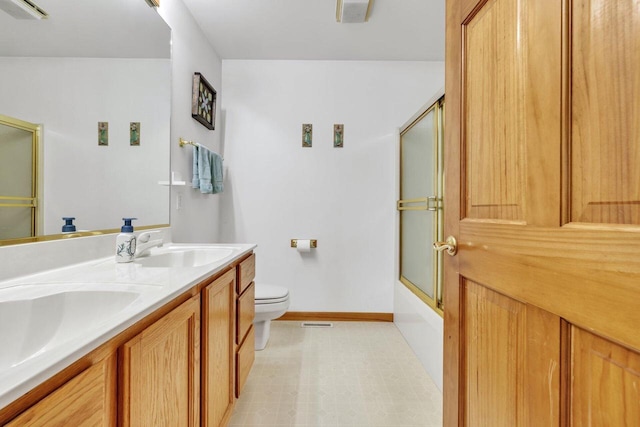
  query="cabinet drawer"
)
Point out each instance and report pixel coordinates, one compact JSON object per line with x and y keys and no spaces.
{"x":245,"y":312}
{"x":244,"y":360}
{"x":246,"y":273}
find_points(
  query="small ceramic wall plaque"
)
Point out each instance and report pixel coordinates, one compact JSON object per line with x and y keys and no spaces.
{"x":134,"y":133}
{"x":307,"y":134}
{"x":103,"y":133}
{"x":338,"y":135}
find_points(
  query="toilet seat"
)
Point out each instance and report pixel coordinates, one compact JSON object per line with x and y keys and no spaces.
{"x":270,"y":294}
{"x":271,"y":301}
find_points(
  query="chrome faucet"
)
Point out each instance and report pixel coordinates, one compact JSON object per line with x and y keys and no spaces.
{"x":148,"y":240}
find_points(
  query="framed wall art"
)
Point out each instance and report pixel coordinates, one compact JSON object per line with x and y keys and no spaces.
{"x":203,"y":102}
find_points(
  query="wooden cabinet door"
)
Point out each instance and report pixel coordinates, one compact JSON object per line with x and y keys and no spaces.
{"x":89,"y":399}
{"x":542,"y":153}
{"x":245,"y":357}
{"x":160,"y":371}
{"x":218,"y":322}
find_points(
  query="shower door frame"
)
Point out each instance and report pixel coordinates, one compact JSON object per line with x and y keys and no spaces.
{"x":431,"y":203}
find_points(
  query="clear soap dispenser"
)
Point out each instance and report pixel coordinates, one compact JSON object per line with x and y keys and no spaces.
{"x":126,"y":242}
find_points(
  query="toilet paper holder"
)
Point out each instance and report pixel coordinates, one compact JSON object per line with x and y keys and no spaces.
{"x":294,"y":243}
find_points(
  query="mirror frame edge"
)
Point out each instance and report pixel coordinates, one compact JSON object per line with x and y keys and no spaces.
{"x":48,"y":237}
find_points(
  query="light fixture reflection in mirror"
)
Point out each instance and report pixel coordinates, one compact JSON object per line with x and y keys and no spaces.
{"x":92,"y":62}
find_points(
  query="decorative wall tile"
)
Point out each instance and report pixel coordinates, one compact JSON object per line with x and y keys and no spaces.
{"x":134,"y":133}
{"x":307,"y":135}
{"x":338,"y":135}
{"x":103,"y":133}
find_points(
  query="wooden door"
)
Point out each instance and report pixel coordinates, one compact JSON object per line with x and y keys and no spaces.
{"x":87,"y":400}
{"x":218,"y":348}
{"x":542,"y":152}
{"x":160,"y":371}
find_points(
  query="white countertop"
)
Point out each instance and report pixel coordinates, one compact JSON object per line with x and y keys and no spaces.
{"x":156,"y":287}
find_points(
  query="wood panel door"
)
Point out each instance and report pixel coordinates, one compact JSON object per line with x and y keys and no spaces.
{"x":542,"y":153}
{"x":160,"y":371}
{"x":87,"y":400}
{"x":218,"y":348}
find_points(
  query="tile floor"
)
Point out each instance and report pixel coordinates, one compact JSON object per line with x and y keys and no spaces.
{"x":354,"y":374}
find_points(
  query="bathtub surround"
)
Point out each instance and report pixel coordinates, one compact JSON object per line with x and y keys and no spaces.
{"x":423,"y":329}
{"x":344,"y":198}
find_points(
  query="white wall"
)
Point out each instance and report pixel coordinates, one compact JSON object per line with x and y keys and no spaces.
{"x":199,"y":217}
{"x":344,"y":197}
{"x":69,"y":96}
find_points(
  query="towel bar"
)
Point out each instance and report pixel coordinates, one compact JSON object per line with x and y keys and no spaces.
{"x":184,"y":142}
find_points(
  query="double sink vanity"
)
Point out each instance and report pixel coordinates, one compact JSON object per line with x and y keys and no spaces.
{"x":164,"y":340}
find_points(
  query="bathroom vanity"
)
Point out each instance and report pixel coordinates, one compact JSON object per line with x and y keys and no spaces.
{"x":177,"y":351}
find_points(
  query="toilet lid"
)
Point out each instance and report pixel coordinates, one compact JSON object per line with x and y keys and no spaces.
{"x":270,"y":294}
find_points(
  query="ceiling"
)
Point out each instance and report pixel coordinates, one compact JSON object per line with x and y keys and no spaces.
{"x":409,"y":30}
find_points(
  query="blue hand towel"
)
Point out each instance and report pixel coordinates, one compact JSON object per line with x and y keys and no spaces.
{"x":195,"y":181}
{"x":209,"y":171}
{"x":218,"y":186}
{"x":204,"y":170}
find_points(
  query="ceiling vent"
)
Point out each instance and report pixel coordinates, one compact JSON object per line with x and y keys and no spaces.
{"x":23,"y":9}
{"x":353,"y":11}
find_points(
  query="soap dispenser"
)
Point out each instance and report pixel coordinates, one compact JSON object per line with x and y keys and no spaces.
{"x":126,"y":242}
{"x":68,"y":226}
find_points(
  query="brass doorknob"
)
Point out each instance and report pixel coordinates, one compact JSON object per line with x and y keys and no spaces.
{"x":450,"y":245}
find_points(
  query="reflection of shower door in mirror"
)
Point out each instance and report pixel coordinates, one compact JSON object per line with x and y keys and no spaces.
{"x":18,"y":178}
{"x":420,"y":204}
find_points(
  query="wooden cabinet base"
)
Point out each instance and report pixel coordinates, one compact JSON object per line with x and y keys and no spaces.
{"x":89,"y":399}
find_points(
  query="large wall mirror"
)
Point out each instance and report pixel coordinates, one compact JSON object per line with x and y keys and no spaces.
{"x":89,"y":63}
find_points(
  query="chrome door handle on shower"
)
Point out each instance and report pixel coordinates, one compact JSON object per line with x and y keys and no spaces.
{"x":450,"y":245}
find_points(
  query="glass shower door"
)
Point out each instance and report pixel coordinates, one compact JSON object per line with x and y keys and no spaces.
{"x":420,"y":205}
{"x":18,"y":186}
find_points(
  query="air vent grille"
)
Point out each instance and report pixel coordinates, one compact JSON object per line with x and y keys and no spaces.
{"x":316,"y":325}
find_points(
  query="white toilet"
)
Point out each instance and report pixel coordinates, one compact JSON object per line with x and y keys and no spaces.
{"x":271,"y":303}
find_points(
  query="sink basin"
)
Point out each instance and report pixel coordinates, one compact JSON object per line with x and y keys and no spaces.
{"x":183,"y":256}
{"x":36,"y":318}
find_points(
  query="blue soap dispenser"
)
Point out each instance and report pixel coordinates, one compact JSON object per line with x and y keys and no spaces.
{"x":126,"y":242}
{"x":68,"y":226}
